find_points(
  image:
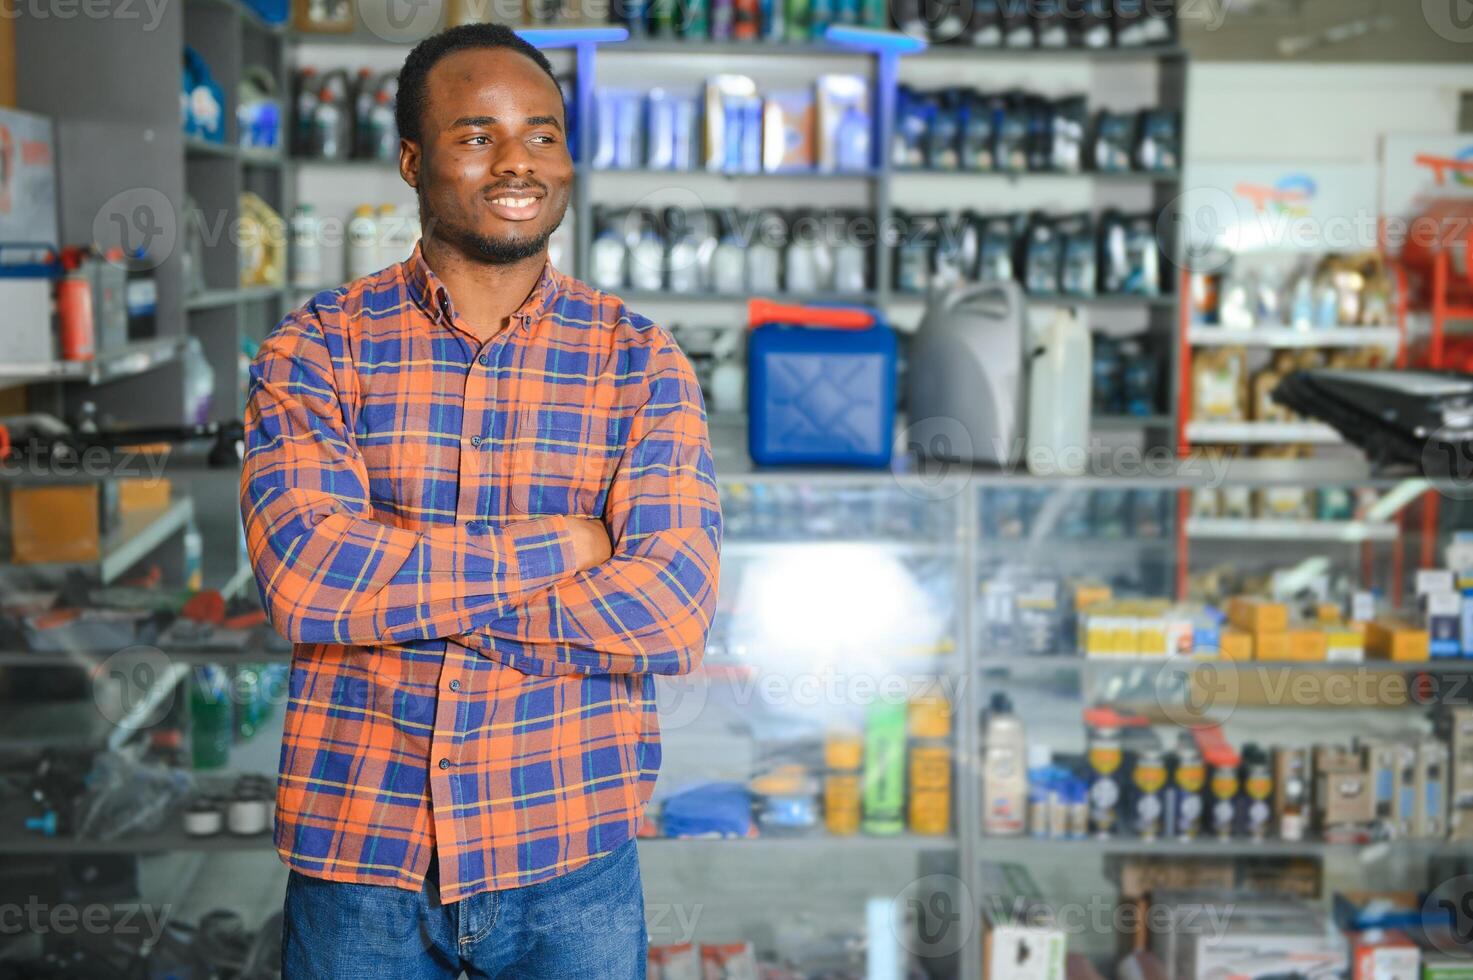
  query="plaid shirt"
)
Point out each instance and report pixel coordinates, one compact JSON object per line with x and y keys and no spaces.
{"x":406,"y":494}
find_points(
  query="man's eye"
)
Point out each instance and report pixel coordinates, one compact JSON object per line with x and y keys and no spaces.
{"x":479,"y":140}
{"x":544,"y":138}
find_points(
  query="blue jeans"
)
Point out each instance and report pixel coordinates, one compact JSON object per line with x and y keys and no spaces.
{"x":587,"y":923}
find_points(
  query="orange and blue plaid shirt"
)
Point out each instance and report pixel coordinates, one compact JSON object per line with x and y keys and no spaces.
{"x":458,"y":690}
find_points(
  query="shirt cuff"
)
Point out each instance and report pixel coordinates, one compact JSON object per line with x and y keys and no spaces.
{"x":541,"y":551}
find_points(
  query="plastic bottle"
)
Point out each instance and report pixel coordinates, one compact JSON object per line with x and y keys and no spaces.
{"x":764,"y":254}
{"x":199,"y":383}
{"x":849,"y":268}
{"x":304,"y":103}
{"x":329,"y":127}
{"x":609,"y":256}
{"x":647,"y":257}
{"x":684,"y":256}
{"x":363,"y":94}
{"x":382,"y":139}
{"x":306,"y":248}
{"x":362,"y":243}
{"x":728,"y":261}
{"x":194,"y":553}
{"x":397,"y":234}
{"x":1059,"y":399}
{"x":1004,"y":770}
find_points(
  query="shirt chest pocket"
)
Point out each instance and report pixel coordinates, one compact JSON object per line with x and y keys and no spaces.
{"x":559,"y":462}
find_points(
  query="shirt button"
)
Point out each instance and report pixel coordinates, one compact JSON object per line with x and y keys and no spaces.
{"x":444,"y":763}
{"x":484,"y":359}
{"x":455,"y":685}
{"x":475,"y":440}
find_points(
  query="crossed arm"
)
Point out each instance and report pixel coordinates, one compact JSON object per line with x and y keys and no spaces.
{"x":536,"y":595}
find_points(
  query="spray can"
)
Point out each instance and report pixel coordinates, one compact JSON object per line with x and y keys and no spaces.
{"x":1104,"y":758}
{"x":1149,"y":777}
{"x":1224,"y":788}
{"x":1187,"y":782}
{"x":1259,"y":787}
{"x":74,"y":313}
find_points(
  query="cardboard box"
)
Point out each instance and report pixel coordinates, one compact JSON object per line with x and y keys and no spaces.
{"x":1456,"y":727}
{"x":1017,"y":951}
{"x":1384,"y":760}
{"x":1342,"y":788}
{"x":1344,"y":644}
{"x":55,"y":524}
{"x":1430,"y":816}
{"x":1442,"y":615}
{"x":1236,"y":645}
{"x":1433,"y":580}
{"x":1140,"y":876}
{"x":1253,"y":615}
{"x":1396,"y":640}
{"x":1384,"y":956}
{"x":1308,"y":645}
{"x":1242,"y":935}
{"x":135,"y":496}
{"x":1271,"y":646}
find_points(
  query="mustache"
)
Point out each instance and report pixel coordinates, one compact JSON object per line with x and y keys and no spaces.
{"x":512,"y":186}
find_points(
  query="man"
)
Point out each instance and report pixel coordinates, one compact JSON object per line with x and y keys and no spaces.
{"x":479,"y":498}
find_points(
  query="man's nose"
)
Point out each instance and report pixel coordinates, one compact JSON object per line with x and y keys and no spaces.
{"x":513,"y":158}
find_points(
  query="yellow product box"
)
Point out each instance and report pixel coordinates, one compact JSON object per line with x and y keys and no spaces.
{"x":1090,"y":594}
{"x":1308,"y":644}
{"x":1110,"y":631}
{"x":841,"y":804}
{"x":55,"y":524}
{"x":136,"y":496}
{"x":1396,"y":639}
{"x":1234,"y":644}
{"x":1150,"y":636}
{"x":1272,"y":646}
{"x":1345,"y":643}
{"x":1253,"y":615}
{"x":1327,"y":614}
{"x":930,"y":716}
{"x":930,"y":767}
{"x":930,"y":812}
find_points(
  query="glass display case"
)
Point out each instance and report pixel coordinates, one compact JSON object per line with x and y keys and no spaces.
{"x":911,"y":686}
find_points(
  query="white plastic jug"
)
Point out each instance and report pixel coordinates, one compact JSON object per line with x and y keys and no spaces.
{"x":1059,"y":398}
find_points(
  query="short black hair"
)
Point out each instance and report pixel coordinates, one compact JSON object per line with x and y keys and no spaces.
{"x":409,"y":106}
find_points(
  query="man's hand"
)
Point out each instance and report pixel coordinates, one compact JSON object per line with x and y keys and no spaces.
{"x":591,"y":544}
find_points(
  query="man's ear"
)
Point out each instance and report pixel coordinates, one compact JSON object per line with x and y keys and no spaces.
{"x":409,"y":160}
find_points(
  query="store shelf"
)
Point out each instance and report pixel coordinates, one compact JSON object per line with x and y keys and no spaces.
{"x":1076,"y":302}
{"x":135,"y":358}
{"x":387,"y":166}
{"x":1289,"y":337}
{"x":1106,"y":176}
{"x":1045,"y":664}
{"x":1012,"y":848}
{"x":1275,"y":529}
{"x":963,"y":52}
{"x":174,"y":839}
{"x":137,"y":535}
{"x":255,"y":156}
{"x":666,"y":296}
{"x":213,"y":299}
{"x":913,"y":842}
{"x":759,"y":549}
{"x":701,"y":174}
{"x":1262,"y":433}
{"x":1128,"y":423}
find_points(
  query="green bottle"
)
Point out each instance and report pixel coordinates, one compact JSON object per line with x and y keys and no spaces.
{"x":795,"y":24}
{"x":210,"y":718}
{"x":884,"y":769}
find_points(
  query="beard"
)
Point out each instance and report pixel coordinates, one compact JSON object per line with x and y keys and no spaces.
{"x":494,"y":251}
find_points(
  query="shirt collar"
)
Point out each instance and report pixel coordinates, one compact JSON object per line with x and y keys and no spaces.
{"x":429,"y":293}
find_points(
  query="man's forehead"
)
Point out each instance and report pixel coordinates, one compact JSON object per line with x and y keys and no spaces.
{"x":484,"y":67}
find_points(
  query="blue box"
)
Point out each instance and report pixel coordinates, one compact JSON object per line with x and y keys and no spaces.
{"x":819,"y":396}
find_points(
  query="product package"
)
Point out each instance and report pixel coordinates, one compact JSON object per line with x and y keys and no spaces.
{"x":844,"y":123}
{"x":727,"y":129}
{"x":787,"y":130}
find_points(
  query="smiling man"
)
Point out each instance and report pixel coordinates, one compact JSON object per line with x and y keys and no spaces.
{"x":478,"y":497}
